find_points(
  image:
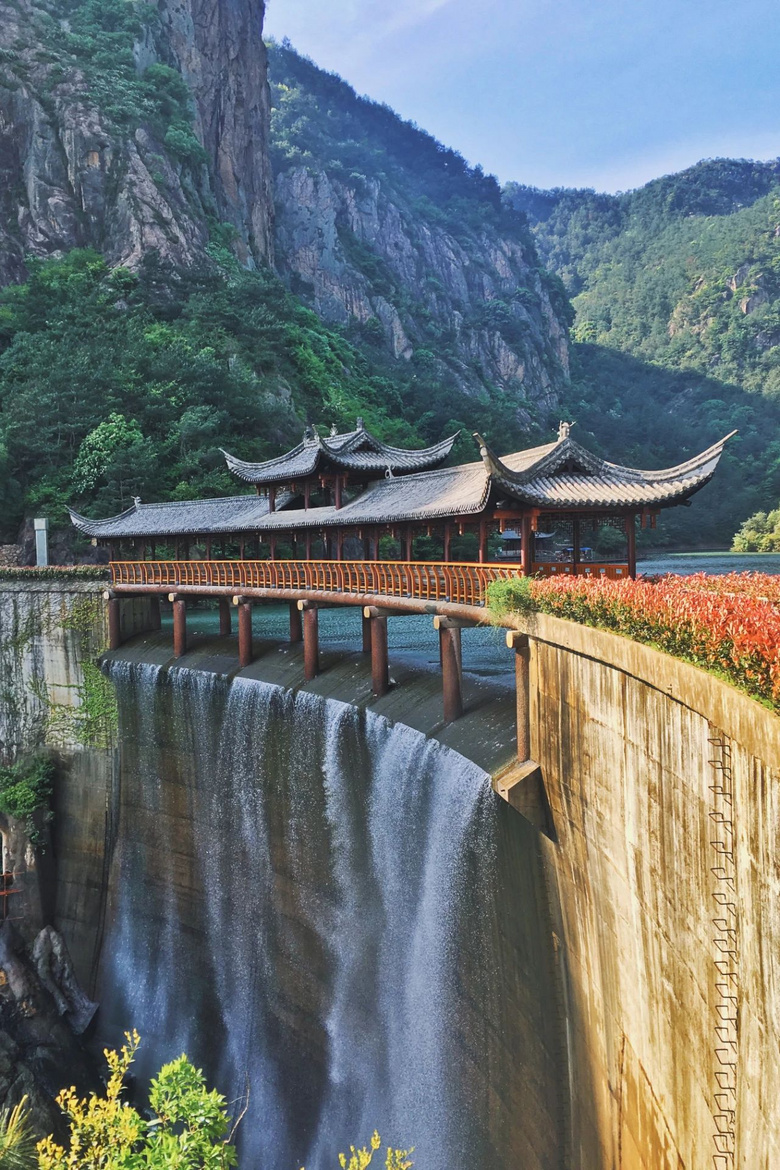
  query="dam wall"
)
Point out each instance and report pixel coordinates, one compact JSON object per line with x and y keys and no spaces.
{"x":55,"y":700}
{"x":664,"y":791}
{"x":614,"y":997}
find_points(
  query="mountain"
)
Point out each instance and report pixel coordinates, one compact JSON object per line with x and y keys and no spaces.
{"x":676,"y":289}
{"x":382,"y":229}
{"x":161,"y":298}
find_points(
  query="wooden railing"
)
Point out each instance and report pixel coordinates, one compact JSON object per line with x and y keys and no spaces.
{"x":461,"y":583}
{"x":613,"y":572}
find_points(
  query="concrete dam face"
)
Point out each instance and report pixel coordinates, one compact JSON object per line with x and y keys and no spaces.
{"x":310,"y":896}
{"x":335,"y":915}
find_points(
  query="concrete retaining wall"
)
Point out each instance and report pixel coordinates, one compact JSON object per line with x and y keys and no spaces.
{"x":663,"y":787}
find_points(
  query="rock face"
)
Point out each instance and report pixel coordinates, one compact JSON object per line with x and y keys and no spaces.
{"x":218,"y":46}
{"x":69,"y":178}
{"x":362,"y":257}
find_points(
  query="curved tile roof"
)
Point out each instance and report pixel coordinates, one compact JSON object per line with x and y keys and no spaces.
{"x":566,"y":475}
{"x":180,"y":518}
{"x":556,"y":476}
{"x":356,"y":450}
{"x":450,"y":491}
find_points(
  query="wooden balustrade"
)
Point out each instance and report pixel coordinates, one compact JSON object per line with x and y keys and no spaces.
{"x":462,"y":583}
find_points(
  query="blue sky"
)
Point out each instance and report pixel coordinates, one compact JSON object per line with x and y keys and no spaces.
{"x":595,"y":93}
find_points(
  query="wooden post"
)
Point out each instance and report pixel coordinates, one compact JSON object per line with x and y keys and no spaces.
{"x":308,"y":544}
{"x":447,"y":540}
{"x":272,"y":499}
{"x":482,"y":542}
{"x":526,"y":545}
{"x":340,"y":544}
{"x":380,"y":669}
{"x":224,"y":617}
{"x":296,"y":624}
{"x":114,"y":624}
{"x":631,"y":540}
{"x":575,"y":540}
{"x":521,"y":646}
{"x":376,"y":545}
{"x":179,"y":627}
{"x":306,"y":496}
{"x":409,"y":537}
{"x":311,"y":648}
{"x":244,"y":633}
{"x":451,"y":673}
{"x":337,"y":494}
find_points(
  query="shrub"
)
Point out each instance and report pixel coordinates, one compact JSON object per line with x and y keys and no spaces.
{"x":25,"y":789}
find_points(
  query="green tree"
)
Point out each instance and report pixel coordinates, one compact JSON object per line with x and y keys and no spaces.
{"x":190,"y":1129}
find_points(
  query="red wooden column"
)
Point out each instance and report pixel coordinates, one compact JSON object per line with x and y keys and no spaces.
{"x":447,"y":540}
{"x":311,"y":641}
{"x":521,"y":646}
{"x":296,"y":624}
{"x":380,"y":667}
{"x":482,"y":541}
{"x":527,"y":549}
{"x":409,"y":536}
{"x":114,"y":623}
{"x":224,"y":617}
{"x":179,"y":626}
{"x":244,"y":631}
{"x":451,"y":672}
{"x":631,"y":539}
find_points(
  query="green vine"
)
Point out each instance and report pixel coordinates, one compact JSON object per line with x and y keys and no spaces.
{"x":25,"y":790}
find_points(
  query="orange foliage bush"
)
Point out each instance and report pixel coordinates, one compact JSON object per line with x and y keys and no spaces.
{"x":730,"y":624}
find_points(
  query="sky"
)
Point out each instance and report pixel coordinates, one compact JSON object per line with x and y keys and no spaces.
{"x":574,"y":93}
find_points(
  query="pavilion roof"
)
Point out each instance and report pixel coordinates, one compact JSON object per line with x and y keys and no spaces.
{"x":179,"y":518}
{"x":554,"y":477}
{"x":357,"y":451}
{"x":566,"y":475}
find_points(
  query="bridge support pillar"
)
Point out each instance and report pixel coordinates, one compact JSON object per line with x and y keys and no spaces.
{"x":155,"y":621}
{"x":296,"y":624}
{"x":366,"y":623}
{"x":244,"y":632}
{"x":380,"y":667}
{"x":179,"y":627}
{"x":311,"y":643}
{"x":521,"y":646}
{"x":224,"y":617}
{"x":114,"y":624}
{"x":451,"y":671}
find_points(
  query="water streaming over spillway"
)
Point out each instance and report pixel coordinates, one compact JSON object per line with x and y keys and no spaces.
{"x":304,"y":899}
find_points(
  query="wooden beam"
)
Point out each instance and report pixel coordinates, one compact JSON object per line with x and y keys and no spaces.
{"x":296,"y":623}
{"x":311,"y":646}
{"x":631,"y":539}
{"x":179,"y":627}
{"x":451,"y":672}
{"x":244,"y":632}
{"x":380,"y":669}
{"x":527,"y":544}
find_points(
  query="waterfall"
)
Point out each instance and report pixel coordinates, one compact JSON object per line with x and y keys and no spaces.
{"x":303,"y":899}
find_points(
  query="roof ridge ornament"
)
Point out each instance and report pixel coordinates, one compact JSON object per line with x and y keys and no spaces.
{"x":564,"y":430}
{"x":334,"y":430}
{"x":359,"y":425}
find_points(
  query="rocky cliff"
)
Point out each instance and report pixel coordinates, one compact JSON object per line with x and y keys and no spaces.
{"x":96,"y":129}
{"x":386,"y":232}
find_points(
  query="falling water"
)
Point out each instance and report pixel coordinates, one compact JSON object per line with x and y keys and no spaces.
{"x":301,"y":900}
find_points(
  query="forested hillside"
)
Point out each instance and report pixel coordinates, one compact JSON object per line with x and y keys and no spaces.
{"x":676,"y":288}
{"x":143,"y":325}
